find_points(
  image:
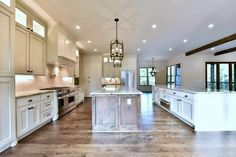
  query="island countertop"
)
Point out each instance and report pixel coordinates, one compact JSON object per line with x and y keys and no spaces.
{"x":119,"y":90}
{"x":195,"y":90}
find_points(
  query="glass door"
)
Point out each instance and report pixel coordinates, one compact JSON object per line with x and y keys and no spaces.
{"x":211,"y":76}
{"x":224,"y":76}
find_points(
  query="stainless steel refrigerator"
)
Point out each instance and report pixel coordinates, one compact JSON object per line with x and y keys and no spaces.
{"x":127,"y":78}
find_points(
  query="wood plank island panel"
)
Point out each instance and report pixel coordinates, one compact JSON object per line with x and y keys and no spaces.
{"x":118,"y":111}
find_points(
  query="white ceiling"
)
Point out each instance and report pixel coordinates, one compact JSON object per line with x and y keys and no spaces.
{"x":175,"y":19}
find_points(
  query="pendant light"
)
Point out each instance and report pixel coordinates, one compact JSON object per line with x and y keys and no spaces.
{"x":117,"y":48}
{"x":154,"y":70}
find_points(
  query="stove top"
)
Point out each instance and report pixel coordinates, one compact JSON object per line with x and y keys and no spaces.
{"x":61,"y":91}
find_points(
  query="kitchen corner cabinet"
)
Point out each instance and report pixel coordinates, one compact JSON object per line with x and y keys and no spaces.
{"x":7,"y":26}
{"x":7,"y":112}
{"x":9,"y":5}
{"x":30,"y":53}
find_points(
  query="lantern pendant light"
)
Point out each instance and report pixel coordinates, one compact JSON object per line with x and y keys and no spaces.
{"x":117,"y":49}
{"x":154,"y":70}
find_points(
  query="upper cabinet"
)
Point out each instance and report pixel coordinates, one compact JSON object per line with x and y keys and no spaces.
{"x":8,"y":5}
{"x":30,"y":44}
{"x":61,"y":45}
{"x":6,"y":43}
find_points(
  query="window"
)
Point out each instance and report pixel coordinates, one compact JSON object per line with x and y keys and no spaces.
{"x":21,"y":17}
{"x":145,"y":77}
{"x":220,"y":75}
{"x":173,"y":75}
{"x":38,"y":28}
{"x":6,"y":2}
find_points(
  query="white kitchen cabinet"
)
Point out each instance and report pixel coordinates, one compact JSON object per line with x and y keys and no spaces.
{"x":187,"y":110}
{"x":6,"y":43}
{"x":28,"y":117}
{"x":33,"y":112}
{"x":37,"y":55}
{"x":9,"y":5}
{"x":7,"y":112}
{"x":61,"y":43}
{"x":30,"y":53}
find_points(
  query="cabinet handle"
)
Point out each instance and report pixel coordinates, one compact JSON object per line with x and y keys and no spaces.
{"x":48,"y":96}
{"x":48,"y":115}
{"x":174,"y":93}
{"x":28,"y":28}
{"x":31,"y":30}
{"x":31,"y":71}
{"x":28,"y":71}
{"x":48,"y":104}
{"x":186,"y":96}
{"x":30,"y":108}
{"x":30,"y":100}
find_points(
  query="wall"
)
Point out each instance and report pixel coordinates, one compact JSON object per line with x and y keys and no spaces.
{"x":160,"y":76}
{"x":91,"y":70}
{"x":30,"y":82}
{"x":193,"y":67}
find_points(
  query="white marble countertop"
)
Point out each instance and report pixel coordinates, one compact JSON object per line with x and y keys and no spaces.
{"x":120,"y":90}
{"x":195,"y":90}
{"x":33,"y":92}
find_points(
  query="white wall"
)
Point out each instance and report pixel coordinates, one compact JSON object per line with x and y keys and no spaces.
{"x":160,"y":76}
{"x":91,"y":70}
{"x":193,"y":67}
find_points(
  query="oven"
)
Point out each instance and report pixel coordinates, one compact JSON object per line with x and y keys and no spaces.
{"x":66,"y":103}
{"x":165,"y":104}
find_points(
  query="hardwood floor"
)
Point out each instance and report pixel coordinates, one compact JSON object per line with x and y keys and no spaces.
{"x":163,"y":136}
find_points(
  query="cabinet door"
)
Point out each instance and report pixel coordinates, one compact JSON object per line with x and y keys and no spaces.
{"x":105,"y":113}
{"x":21,"y":51}
{"x":37,"y":55}
{"x":7,"y":25}
{"x":34,"y":116}
{"x":129,"y":112}
{"x":187,"y":110}
{"x":7,"y":110}
{"x":22,"y":121}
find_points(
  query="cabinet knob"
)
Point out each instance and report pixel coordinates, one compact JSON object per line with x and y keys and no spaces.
{"x":30,"y":108}
{"x":31,"y":30}
{"x":28,"y":28}
{"x":174,"y":93}
{"x":186,"y":96}
{"x":30,"y":100}
{"x":28,"y":71}
{"x":48,"y":96}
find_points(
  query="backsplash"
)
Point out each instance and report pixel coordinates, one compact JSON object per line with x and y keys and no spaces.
{"x":55,"y":76}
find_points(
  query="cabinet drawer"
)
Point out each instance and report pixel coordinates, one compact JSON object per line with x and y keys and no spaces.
{"x":184,"y":95}
{"x":46,"y":105}
{"x":47,"y":96}
{"x":46,"y":115}
{"x":27,"y":100}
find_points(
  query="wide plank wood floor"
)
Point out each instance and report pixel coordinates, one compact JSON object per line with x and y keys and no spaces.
{"x":162,"y":136}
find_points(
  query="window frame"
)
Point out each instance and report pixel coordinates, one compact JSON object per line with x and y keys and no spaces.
{"x":148,"y":84}
{"x":171,"y":75}
{"x":218,"y":74}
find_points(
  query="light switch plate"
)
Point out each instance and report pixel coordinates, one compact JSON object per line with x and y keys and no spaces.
{"x":128,"y":101}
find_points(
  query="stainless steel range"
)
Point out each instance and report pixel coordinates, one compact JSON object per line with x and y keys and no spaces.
{"x":65,"y":99}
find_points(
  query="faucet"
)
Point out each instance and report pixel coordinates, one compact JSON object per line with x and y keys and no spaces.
{"x":114,"y":77}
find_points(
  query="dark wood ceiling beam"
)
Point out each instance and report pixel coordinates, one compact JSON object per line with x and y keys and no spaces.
{"x":225,"y":51}
{"x":213,"y":44}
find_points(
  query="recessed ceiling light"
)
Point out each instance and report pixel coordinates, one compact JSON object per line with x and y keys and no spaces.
{"x":95,"y":50}
{"x":138,"y":49}
{"x":170,"y":49}
{"x":77,"y":27}
{"x":144,"y":41}
{"x":185,"y":40}
{"x":89,"y":41}
{"x":211,"y":25}
{"x":212,"y":49}
{"x":154,"y":26}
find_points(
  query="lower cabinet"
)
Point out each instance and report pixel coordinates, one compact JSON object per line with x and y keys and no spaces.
{"x":28,"y":117}
{"x":181,"y":104}
{"x":33,"y":112}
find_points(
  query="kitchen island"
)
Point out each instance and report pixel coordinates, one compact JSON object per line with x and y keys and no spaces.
{"x":116,"y":109}
{"x":202,"y":109}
